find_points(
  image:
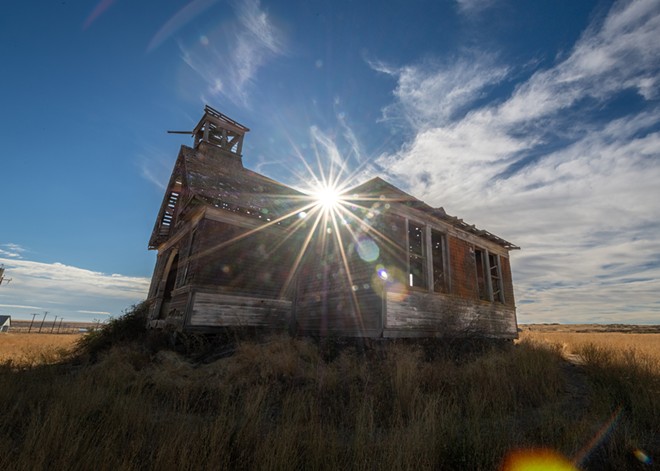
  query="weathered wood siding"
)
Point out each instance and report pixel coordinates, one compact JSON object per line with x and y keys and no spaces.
{"x":415,"y":314}
{"x":223,"y":310}
{"x":331,"y":299}
{"x":463,"y":269}
{"x":256,"y":265}
{"x":507,"y":282}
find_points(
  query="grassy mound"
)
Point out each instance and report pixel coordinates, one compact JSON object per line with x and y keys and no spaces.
{"x":285,"y":403}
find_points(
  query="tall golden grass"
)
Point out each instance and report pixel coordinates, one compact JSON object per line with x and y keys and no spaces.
{"x":35,"y":349}
{"x":573,"y":342}
{"x":283,"y":403}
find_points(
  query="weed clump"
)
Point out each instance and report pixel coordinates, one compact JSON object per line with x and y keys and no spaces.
{"x":131,"y":326}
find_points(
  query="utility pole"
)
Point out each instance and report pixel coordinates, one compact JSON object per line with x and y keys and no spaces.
{"x":43,"y":320}
{"x":32,"y":321}
{"x":60,"y":326}
{"x":53,"y":328}
{"x":2,"y":275}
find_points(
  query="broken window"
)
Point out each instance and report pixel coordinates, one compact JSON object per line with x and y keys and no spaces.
{"x":416,"y":255}
{"x":427,"y":258}
{"x":489,"y":276}
{"x":482,"y":282}
{"x":438,"y":249}
{"x":495,"y":278}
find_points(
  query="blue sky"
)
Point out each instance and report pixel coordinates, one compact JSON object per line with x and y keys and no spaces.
{"x":538,"y":121}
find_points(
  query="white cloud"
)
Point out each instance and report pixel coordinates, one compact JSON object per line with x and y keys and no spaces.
{"x":154,"y":167}
{"x":230,"y":57}
{"x":66,"y":290}
{"x":578,"y":194}
{"x":11,"y":250}
{"x":19,"y":306}
{"x":435,"y":93}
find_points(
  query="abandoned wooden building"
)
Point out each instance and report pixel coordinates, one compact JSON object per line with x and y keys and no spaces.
{"x":236,"y":248}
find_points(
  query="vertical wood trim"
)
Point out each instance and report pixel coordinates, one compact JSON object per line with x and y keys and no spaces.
{"x":447,"y":268}
{"x":239,"y":147}
{"x":499,"y":274}
{"x":189,"y":309}
{"x":477,"y":292}
{"x":489,"y":281}
{"x":407,"y":232}
{"x":427,"y":251}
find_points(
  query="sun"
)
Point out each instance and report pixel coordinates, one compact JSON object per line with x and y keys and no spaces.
{"x":327,"y":197}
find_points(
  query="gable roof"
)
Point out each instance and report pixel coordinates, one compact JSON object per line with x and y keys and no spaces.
{"x":209,"y":175}
{"x":4,"y":320}
{"x":217,"y":178}
{"x":219,"y":184}
{"x":377,"y":187}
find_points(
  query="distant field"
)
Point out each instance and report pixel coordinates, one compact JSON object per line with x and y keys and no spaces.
{"x":644,"y":340}
{"x":31,"y":349}
{"x":592,"y":328}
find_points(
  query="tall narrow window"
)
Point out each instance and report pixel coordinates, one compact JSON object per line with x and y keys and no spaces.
{"x":416,"y":255}
{"x":482,"y":271}
{"x":438,"y":243}
{"x":495,"y":278}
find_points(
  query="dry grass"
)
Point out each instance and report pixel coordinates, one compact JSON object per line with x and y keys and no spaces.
{"x":643,"y":345}
{"x":35,"y":349}
{"x":284,"y":404}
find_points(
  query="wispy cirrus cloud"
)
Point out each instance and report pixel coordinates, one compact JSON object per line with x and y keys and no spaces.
{"x":99,"y":313}
{"x":178,"y":21}
{"x":229,"y":58}
{"x":11,"y":250}
{"x":473,"y":7}
{"x":67,"y":291}
{"x":453,"y":87}
{"x":554,"y":166}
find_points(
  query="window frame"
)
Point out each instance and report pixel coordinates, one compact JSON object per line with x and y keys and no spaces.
{"x":428,"y":261}
{"x":491,"y":269}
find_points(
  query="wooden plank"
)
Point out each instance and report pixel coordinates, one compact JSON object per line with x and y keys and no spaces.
{"x":450,"y":315}
{"x":225,"y":310}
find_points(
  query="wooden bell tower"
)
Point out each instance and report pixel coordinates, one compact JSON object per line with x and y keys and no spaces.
{"x":220,"y":131}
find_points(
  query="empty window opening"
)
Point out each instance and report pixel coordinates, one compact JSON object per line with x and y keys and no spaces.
{"x":482,"y":282}
{"x":438,"y":247}
{"x":489,"y":276}
{"x":495,"y":278}
{"x":416,"y":255}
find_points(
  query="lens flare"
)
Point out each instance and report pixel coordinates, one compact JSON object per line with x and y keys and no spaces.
{"x":537,"y":460}
{"x":327,"y":197}
{"x":367,"y":249}
{"x":642,"y":457}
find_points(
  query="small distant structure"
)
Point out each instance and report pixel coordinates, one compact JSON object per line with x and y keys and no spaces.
{"x":5,"y":323}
